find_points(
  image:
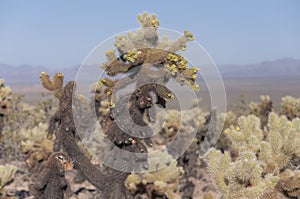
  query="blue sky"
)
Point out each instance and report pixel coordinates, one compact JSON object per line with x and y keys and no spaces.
{"x":62,"y":33}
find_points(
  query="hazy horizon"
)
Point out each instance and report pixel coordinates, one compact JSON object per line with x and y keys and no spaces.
{"x":78,"y":64}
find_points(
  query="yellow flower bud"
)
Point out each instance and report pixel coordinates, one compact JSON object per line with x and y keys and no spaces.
{"x":110,"y":104}
{"x":195,"y":70}
{"x":196,"y":87}
{"x":59,"y":74}
{"x":169,"y":56}
{"x":170,"y":96}
{"x":103,"y":80}
{"x":175,"y":59}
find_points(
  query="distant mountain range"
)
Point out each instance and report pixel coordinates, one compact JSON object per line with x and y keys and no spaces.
{"x":287,"y":67}
{"x":27,"y":75}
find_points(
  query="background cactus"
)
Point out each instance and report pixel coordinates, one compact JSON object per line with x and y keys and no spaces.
{"x":260,"y":157}
{"x":36,"y":146}
{"x":5,"y":103}
{"x":290,"y":107}
{"x":262,"y":109}
{"x":162,"y":182}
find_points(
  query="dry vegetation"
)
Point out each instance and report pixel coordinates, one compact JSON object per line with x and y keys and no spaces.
{"x":42,"y":155}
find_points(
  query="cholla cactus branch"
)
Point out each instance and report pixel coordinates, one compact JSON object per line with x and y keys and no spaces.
{"x":261,"y":156}
{"x":67,"y":138}
{"x":147,"y":20}
{"x":180,"y":44}
{"x":55,"y":85}
{"x":51,"y":182}
{"x":175,"y":65}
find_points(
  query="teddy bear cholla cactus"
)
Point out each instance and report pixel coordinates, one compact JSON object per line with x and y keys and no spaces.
{"x":35,"y":145}
{"x":5,"y":102}
{"x":162,"y":182}
{"x":290,"y":107}
{"x":140,"y":57}
{"x":261,"y":158}
{"x":149,"y":59}
{"x":262,"y":109}
{"x":5,"y":97}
